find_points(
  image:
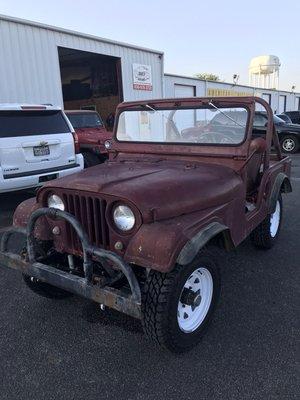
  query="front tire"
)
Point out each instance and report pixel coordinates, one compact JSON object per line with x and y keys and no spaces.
{"x":266,"y":234}
{"x":178,"y":306}
{"x":289,"y":144}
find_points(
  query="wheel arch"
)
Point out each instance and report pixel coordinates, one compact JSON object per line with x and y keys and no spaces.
{"x":213,"y":231}
{"x":282,"y":184}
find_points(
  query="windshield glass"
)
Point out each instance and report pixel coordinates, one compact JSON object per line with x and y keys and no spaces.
{"x":88,"y":120}
{"x":209,"y":125}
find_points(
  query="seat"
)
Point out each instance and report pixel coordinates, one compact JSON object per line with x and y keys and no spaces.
{"x":257,"y":149}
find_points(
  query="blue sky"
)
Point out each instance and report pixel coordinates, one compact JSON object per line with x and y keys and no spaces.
{"x":197,"y":36}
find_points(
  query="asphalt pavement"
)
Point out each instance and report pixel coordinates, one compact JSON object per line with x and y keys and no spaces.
{"x":69,"y":349}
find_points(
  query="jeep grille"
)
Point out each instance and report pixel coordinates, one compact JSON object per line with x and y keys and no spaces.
{"x":90,"y":212}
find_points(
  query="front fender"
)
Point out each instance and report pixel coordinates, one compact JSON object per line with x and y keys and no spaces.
{"x":155,"y":246}
{"x":194,"y":245}
{"x":161,"y":245}
{"x":22,"y":214}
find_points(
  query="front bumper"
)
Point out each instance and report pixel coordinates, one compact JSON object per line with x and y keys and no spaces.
{"x":127,"y":303}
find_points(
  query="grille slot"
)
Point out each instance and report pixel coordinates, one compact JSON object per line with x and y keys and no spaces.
{"x":90,"y":212}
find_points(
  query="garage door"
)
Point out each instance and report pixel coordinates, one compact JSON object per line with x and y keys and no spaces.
{"x":266,"y":97}
{"x":282,"y":104}
{"x":184,"y":90}
{"x":187,"y":120}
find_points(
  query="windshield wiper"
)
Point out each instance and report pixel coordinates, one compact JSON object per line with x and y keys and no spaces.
{"x":227,"y":116}
{"x":151,"y":108}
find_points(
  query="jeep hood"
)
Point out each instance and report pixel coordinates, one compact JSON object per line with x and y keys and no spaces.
{"x":162,"y":188}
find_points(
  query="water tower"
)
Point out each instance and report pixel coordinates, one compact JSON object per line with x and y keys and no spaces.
{"x":264,"y":72}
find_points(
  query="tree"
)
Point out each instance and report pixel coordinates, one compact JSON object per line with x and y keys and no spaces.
{"x":206,"y":76}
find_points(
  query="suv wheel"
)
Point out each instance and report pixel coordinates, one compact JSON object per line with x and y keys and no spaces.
{"x":289,"y":144}
{"x":178,"y":306}
{"x":266,"y":234}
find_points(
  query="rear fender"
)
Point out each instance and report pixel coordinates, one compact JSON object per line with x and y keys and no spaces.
{"x":282,"y":184}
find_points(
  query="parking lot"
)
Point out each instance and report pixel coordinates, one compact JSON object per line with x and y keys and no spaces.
{"x":69,"y":349}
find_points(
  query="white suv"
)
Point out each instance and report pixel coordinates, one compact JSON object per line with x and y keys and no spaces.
{"x":37,"y":144}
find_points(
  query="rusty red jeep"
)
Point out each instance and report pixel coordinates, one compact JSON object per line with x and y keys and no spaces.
{"x":91,"y":135}
{"x":139,"y":233}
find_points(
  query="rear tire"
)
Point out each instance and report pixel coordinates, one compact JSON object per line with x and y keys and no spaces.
{"x":266,"y":234}
{"x":90,"y":159}
{"x":289,"y":144}
{"x":177,"y":306}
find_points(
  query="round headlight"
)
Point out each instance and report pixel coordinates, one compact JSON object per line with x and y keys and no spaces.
{"x":55,"y":201}
{"x":123,"y":218}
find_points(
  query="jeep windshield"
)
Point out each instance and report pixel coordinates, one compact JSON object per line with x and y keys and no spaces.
{"x":85,"y":120}
{"x":203,"y":125}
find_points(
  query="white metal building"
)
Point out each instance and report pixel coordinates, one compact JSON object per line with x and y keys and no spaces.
{"x":182,"y":86}
{"x":46,"y":64}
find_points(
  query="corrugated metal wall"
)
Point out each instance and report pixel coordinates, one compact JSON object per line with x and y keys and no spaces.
{"x":209,"y":88}
{"x":29,"y":65}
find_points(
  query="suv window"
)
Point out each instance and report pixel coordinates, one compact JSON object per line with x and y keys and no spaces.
{"x":259,"y":120}
{"x":28,"y":123}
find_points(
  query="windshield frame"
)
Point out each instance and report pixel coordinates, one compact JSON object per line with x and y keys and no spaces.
{"x":240,"y":152}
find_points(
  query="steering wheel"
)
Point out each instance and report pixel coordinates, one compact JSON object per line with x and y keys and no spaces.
{"x":217,"y":138}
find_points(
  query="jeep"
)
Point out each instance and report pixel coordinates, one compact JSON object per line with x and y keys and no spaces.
{"x":141,"y":233}
{"x":91,"y":134}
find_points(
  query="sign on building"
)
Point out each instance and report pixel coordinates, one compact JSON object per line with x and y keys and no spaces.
{"x":226,"y":92}
{"x":142,"y":77}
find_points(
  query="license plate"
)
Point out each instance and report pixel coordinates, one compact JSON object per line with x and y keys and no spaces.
{"x":41,"y":151}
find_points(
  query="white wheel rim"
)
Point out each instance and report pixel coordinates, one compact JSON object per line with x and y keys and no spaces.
{"x":200,"y":286}
{"x":288,"y":144}
{"x":275,"y":220}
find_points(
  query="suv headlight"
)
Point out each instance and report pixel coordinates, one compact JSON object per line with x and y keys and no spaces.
{"x":55,"y":201}
{"x":124,"y":218}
